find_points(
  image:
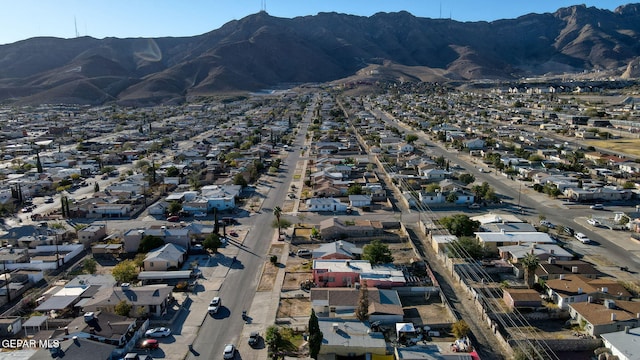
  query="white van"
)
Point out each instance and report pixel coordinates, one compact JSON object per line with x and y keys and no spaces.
{"x":582,"y":238}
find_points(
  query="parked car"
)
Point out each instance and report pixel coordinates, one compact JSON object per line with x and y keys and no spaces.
{"x":597,"y":207}
{"x":593,"y":222}
{"x":229,"y":352}
{"x":174,"y":218}
{"x":474,"y":206}
{"x":547,"y":224}
{"x":214,"y":305}
{"x":150,"y":344}
{"x":254,"y":338}
{"x":158,"y":332}
{"x":569,"y":231}
{"x":48,"y":200}
{"x":200,"y":214}
{"x":233,"y":233}
{"x":303,"y":253}
{"x":582,"y":238}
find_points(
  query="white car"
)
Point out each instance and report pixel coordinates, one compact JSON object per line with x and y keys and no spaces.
{"x":597,"y":207}
{"x":158,"y":332}
{"x":214,"y":305}
{"x":582,"y":238}
{"x":229,"y":352}
{"x":200,"y":215}
{"x":593,"y":222}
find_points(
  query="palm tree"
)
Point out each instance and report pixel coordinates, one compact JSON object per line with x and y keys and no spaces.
{"x":530,"y":263}
{"x":277,"y":212}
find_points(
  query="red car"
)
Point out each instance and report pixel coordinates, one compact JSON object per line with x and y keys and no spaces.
{"x":150,"y":344}
{"x":173,"y":218}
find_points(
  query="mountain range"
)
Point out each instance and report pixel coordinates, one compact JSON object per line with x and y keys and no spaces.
{"x":261,"y":51}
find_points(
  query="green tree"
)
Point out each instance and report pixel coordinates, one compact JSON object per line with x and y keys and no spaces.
{"x":273,"y":340}
{"x":277,"y":212}
{"x":173,"y":171}
{"x":212,"y":242}
{"x":149,"y":242}
{"x":315,"y":335}
{"x":123,"y":308}
{"x":467,"y":178}
{"x":411,"y":138}
{"x":174,"y":207}
{"x":466,"y":246}
{"x":452,"y":197}
{"x":239,"y":179}
{"x":90,"y":266}
{"x":362,"y":312}
{"x":138,"y":260}
{"x":125,"y":271}
{"x":460,"y":225}
{"x":355,"y":189}
{"x":460,"y":329}
{"x":377,"y":253}
{"x":39,"y":164}
{"x":530,"y":263}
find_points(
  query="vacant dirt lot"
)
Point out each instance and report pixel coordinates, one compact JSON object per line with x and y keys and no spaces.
{"x":270,"y":270}
{"x":294,"y":308}
{"x":292,"y":280}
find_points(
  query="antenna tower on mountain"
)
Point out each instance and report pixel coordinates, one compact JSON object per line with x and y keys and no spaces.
{"x":263,"y":6}
{"x":75,"y":23}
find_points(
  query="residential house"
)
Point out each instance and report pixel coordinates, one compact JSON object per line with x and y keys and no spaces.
{"x":514,"y":253}
{"x":325,"y":204}
{"x":597,"y":194}
{"x":570,"y":289}
{"x":152,"y":300}
{"x":334,"y":228}
{"x":434,"y":174}
{"x":384,"y":305}
{"x":337,"y":250}
{"x":521,"y":298}
{"x":474,"y":144}
{"x":405,"y":148}
{"x":91,"y":234}
{"x":166,"y":257}
{"x":159,"y":208}
{"x":99,"y":326}
{"x":439,"y":243}
{"x":553,"y":268}
{"x":623,"y":344}
{"x":177,"y":235}
{"x":607,"y":316}
{"x":492,"y":240}
{"x":78,"y":349}
{"x":346,"y":273}
{"x":359,"y":200}
{"x":349,"y":338}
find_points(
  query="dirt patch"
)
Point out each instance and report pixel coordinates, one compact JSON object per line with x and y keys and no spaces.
{"x":294,"y":308}
{"x":627,"y":146}
{"x":288,"y":205}
{"x":426,"y":310}
{"x":270,"y":271}
{"x":403,"y":253}
{"x":292,"y":280}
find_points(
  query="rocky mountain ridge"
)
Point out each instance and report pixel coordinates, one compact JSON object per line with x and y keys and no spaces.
{"x":261,"y":51}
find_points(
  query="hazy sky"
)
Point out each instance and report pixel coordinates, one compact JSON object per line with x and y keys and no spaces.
{"x":23,"y":19}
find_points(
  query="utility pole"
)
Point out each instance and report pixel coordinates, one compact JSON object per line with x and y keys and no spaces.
{"x":6,"y":280}
{"x":519,"y":193}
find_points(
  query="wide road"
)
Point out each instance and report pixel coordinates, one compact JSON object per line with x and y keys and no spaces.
{"x":532,"y":203}
{"x":239,"y":287}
